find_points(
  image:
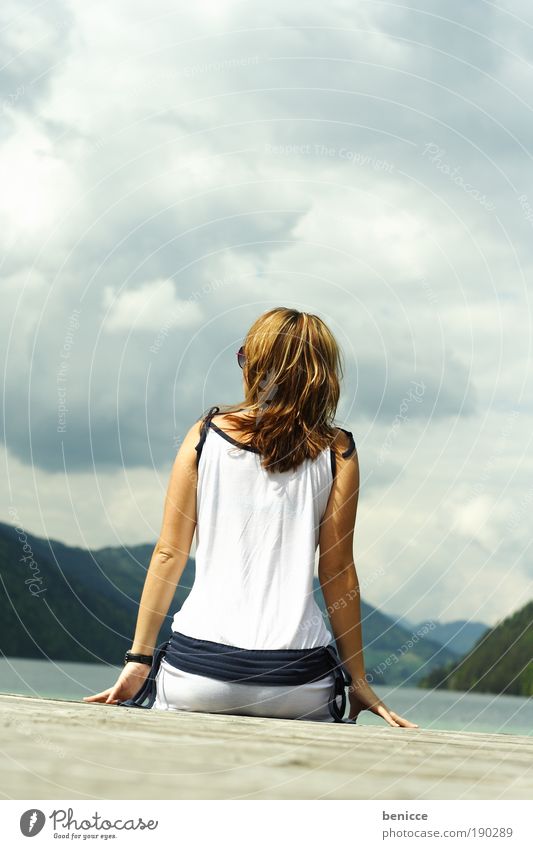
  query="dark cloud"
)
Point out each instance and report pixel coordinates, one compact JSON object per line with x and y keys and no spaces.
{"x":282,"y":155}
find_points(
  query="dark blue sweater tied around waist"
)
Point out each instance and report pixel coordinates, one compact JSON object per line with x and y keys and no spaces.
{"x":283,"y":667}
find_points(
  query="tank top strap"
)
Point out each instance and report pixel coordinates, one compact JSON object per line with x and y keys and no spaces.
{"x":203,"y":431}
{"x":347,"y":453}
{"x":351,"y":447}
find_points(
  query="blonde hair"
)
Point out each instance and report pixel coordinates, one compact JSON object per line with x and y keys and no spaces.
{"x":292,"y":370}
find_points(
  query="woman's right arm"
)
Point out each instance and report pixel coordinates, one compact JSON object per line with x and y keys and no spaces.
{"x":340,"y":584}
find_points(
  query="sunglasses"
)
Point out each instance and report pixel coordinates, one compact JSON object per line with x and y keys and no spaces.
{"x":241,"y":359}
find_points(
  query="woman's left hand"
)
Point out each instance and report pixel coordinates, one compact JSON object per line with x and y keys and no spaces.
{"x":128,"y":683}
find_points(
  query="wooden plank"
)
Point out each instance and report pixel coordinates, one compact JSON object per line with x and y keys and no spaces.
{"x":73,"y":750}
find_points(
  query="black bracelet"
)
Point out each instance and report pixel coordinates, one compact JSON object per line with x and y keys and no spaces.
{"x":138,"y":658}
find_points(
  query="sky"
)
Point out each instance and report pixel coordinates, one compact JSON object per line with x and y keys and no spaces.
{"x":171,"y":171}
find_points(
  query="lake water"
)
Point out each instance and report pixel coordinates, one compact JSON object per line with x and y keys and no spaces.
{"x":432,"y":709}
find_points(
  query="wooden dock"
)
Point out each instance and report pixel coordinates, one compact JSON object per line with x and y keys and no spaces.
{"x":73,"y":750}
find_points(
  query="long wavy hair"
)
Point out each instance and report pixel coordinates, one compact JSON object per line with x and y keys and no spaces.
{"x":293,"y":368}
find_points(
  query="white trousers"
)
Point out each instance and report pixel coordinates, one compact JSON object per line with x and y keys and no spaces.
{"x":179,"y":690}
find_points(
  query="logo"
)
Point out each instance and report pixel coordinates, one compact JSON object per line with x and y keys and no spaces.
{"x":31,"y":822}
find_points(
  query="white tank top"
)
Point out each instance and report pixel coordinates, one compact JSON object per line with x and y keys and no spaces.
{"x":257,"y":535}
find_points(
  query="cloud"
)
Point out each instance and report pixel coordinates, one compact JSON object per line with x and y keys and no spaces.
{"x":169,"y":176}
{"x":150,"y":307}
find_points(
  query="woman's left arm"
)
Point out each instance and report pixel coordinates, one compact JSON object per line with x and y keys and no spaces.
{"x":165,"y":570}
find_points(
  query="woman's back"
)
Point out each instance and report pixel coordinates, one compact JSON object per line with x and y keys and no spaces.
{"x":256,"y":539}
{"x":250,"y":639}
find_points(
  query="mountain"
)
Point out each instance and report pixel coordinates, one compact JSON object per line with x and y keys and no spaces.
{"x":458,"y":636}
{"x":501,"y":661}
{"x":67,"y":603}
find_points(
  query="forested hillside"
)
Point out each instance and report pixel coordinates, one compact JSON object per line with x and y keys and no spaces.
{"x":500,"y":662}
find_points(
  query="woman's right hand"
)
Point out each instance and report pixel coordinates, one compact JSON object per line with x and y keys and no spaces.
{"x":128,"y":684}
{"x":362,"y":697}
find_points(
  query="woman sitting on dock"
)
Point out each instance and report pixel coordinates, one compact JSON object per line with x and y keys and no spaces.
{"x":263,"y":483}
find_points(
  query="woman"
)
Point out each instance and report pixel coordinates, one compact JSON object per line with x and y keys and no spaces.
{"x":263,"y":483}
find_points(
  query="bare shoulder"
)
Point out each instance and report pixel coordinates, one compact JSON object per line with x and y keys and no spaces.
{"x":190,"y":441}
